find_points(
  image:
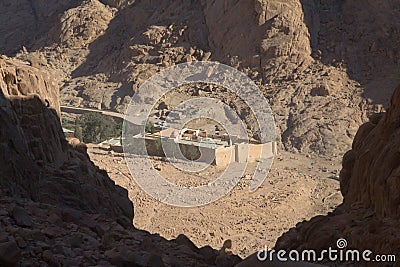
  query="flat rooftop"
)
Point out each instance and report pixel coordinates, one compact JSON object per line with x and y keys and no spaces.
{"x":204,"y":143}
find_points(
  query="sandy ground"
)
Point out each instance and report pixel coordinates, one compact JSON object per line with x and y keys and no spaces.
{"x":296,"y":189}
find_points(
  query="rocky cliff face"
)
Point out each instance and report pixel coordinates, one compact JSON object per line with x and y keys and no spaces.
{"x":369,"y":215}
{"x":23,"y":23}
{"x":363,"y":35}
{"x":36,"y":160}
{"x":268,"y":33}
{"x":370,"y":173}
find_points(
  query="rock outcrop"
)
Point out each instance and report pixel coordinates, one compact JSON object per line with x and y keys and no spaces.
{"x":36,"y":160}
{"x":370,"y":184}
{"x":363,"y":35}
{"x":23,"y":23}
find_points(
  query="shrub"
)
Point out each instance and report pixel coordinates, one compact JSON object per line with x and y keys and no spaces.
{"x":94,"y":127}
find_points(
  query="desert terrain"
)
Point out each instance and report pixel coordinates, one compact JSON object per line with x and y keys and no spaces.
{"x":250,"y":220}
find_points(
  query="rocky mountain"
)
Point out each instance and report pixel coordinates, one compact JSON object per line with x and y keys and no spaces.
{"x":318,"y":62}
{"x":325,"y":66}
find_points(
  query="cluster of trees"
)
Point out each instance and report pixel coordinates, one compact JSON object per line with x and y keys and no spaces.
{"x":95,"y":128}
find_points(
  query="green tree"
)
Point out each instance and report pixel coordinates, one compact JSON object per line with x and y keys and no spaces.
{"x":67,"y":123}
{"x":96,"y":127}
{"x":149,"y":128}
{"x":78,"y":132}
